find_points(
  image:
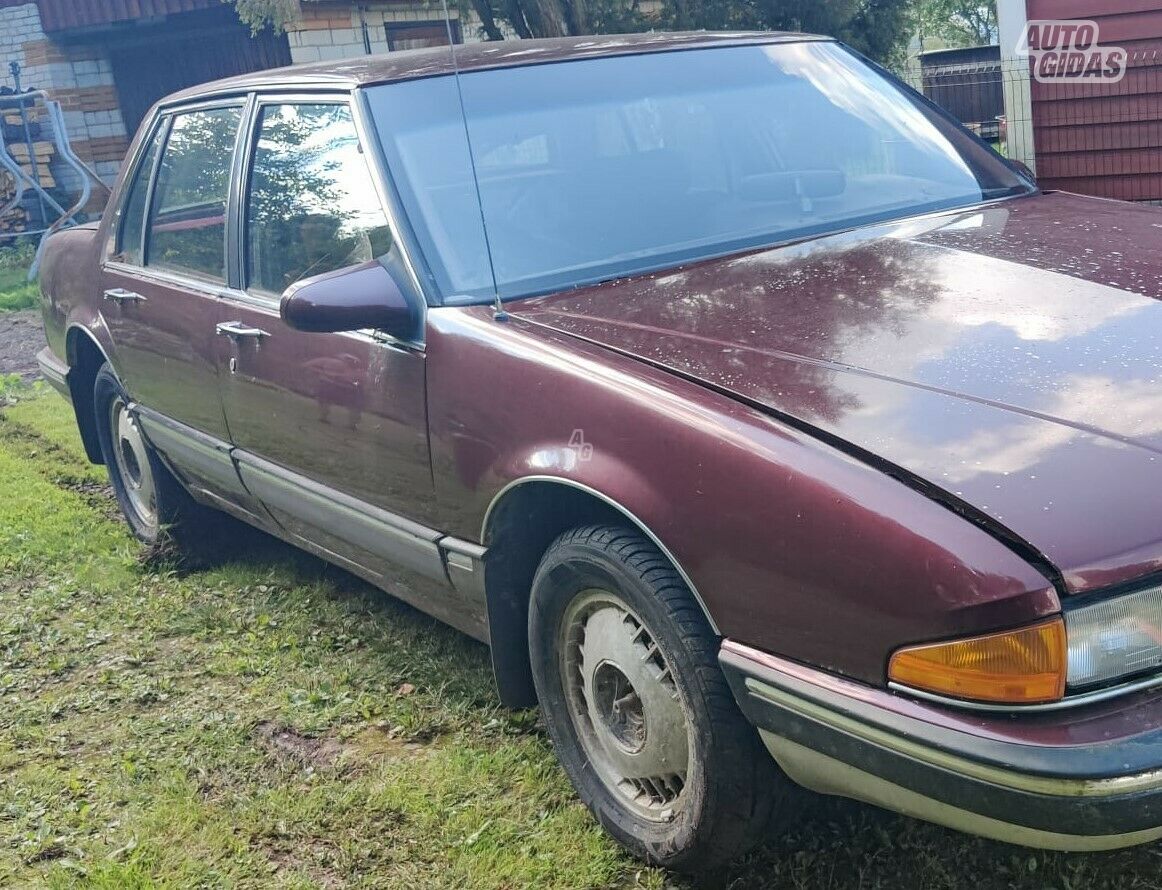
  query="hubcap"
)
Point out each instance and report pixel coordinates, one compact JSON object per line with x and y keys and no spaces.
{"x":625,"y":706}
{"x":132,"y":462}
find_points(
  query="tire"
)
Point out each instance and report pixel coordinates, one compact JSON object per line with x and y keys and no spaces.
{"x":159,"y":511}
{"x":601,"y":596}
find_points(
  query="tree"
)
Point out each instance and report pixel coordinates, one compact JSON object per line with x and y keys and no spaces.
{"x":878,"y":28}
{"x":259,"y":14}
{"x":959,"y":22}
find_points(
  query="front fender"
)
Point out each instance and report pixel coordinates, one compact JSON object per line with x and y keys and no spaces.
{"x":794,"y":546}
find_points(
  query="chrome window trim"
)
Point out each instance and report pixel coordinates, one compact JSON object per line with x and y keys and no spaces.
{"x":629,"y":514}
{"x":167,"y":278}
{"x":1068,"y":703}
{"x":335,"y":86}
{"x":162,"y":117}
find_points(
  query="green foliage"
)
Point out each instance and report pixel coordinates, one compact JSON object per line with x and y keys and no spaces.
{"x":878,"y":28}
{"x":959,"y":22}
{"x":259,"y":14}
{"x":17,"y":255}
{"x":16,"y":291}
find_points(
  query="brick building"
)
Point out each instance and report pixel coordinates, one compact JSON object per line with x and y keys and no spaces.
{"x":107,"y":61}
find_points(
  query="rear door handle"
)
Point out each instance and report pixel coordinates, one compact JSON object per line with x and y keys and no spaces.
{"x":120,"y":296}
{"x":236,"y":330}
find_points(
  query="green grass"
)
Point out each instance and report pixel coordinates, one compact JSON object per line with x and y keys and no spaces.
{"x":16,"y":291}
{"x":271,"y":722}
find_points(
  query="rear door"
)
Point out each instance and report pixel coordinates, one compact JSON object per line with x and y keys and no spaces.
{"x":162,"y":289}
{"x":330,"y":429}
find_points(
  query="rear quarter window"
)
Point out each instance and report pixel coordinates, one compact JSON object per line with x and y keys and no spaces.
{"x":131,"y":239}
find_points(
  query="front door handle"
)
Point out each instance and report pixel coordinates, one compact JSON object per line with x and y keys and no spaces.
{"x":236,"y":330}
{"x":120,"y":296}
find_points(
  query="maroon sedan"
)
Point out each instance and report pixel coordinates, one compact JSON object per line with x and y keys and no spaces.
{"x":731,"y":391}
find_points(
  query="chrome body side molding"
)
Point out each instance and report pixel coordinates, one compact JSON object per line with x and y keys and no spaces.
{"x":191,"y":452}
{"x":465,"y":565}
{"x":371,"y":529}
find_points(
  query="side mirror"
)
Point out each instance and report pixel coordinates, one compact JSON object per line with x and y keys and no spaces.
{"x":363,"y":296}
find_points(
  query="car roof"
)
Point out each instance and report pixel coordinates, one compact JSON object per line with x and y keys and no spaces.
{"x":414,"y":63}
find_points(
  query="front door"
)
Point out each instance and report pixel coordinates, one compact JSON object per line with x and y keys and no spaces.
{"x":330,"y":429}
{"x":162,"y":286}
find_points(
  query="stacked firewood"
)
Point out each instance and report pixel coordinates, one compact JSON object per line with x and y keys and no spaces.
{"x":42,"y":150}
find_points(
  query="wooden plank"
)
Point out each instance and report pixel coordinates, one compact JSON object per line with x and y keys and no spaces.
{"x":1084,"y":9}
{"x":1135,"y":134}
{"x":1118,"y":162}
{"x":1113,"y":29}
{"x":1095,"y":110}
{"x":1144,"y":80}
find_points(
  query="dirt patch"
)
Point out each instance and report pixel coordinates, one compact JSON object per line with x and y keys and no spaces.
{"x":21,"y":338}
{"x":286,"y":742}
{"x":380,"y":743}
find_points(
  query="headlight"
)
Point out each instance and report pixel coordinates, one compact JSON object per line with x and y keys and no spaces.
{"x":1115,"y":638}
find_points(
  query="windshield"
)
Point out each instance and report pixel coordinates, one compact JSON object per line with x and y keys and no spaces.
{"x":601,"y":168}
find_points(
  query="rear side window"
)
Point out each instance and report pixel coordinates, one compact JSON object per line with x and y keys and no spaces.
{"x":187,"y":225}
{"x":312,"y":206}
{"x":131,"y":244}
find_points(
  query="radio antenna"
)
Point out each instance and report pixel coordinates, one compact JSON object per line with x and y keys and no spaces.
{"x":498,"y":311}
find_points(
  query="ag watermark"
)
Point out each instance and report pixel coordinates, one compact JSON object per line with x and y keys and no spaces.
{"x":577,"y":444}
{"x":1070,"y":51}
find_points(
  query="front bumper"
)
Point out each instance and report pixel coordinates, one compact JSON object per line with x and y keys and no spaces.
{"x":1066,"y":782}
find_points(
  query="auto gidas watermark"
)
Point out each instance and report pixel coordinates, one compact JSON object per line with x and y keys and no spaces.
{"x":1070,"y":50}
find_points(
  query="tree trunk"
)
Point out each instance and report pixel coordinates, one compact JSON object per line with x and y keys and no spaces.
{"x":487,"y":20}
{"x":579,"y":16}
{"x":546,"y":18}
{"x":516,"y":17}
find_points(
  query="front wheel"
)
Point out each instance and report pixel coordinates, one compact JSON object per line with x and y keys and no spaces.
{"x":643,"y":721}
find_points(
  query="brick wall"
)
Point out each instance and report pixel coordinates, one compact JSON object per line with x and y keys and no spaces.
{"x":79,"y":77}
{"x":334,"y":31}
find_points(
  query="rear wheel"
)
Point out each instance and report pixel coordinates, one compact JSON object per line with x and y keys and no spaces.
{"x":643,"y":721}
{"x":155,"y":505}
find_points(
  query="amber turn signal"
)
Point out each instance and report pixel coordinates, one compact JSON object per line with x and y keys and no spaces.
{"x":1020,"y":667}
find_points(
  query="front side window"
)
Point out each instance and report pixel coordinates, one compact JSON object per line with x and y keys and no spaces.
{"x":131,"y":242}
{"x":187,"y":225}
{"x":312,"y":206}
{"x":600,"y":168}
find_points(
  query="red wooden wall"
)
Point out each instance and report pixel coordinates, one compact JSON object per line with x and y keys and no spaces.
{"x":1100,"y":138}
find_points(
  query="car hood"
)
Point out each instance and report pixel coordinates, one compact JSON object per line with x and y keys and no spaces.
{"x":1009,"y":356}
